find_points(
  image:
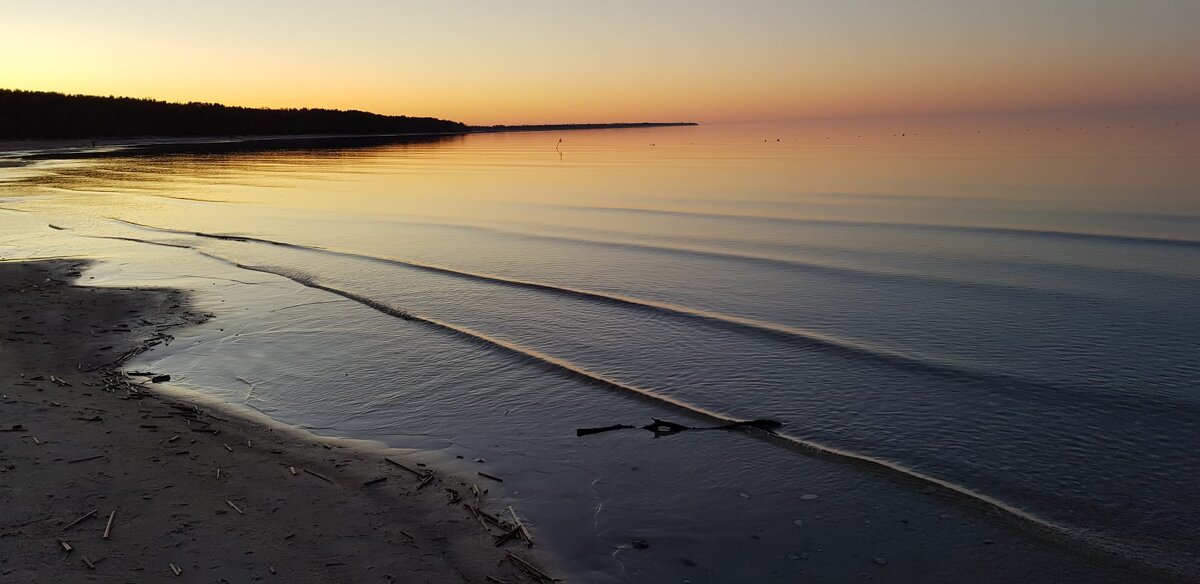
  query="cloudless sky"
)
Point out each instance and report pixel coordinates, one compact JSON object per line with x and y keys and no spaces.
{"x":520,"y":61}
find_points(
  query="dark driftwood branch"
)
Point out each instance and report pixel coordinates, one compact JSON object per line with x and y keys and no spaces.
{"x":665,"y":428}
{"x":588,"y":431}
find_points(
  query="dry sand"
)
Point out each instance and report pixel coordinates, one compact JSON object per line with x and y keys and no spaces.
{"x":206,"y":493}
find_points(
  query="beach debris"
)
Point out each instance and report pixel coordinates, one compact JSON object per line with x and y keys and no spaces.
{"x":90,"y":565}
{"x":425,"y":481}
{"x":108,"y":526}
{"x":234,"y":507}
{"x":474,"y":511}
{"x":290,"y":535}
{"x":488,"y":476}
{"x":271,"y":569}
{"x":454,"y":496}
{"x":530,"y":569}
{"x":640,"y":544}
{"x":665,"y":428}
{"x":59,"y":381}
{"x":175,"y":569}
{"x":521,"y":526}
{"x":292,"y":469}
{"x":218,"y":473}
{"x":76,"y":522}
{"x":66,"y":546}
{"x":227,"y":447}
{"x":495,"y":580}
{"x":507,"y":536}
{"x":480,"y":513}
{"x":85,"y":459}
{"x":374,"y":481}
{"x":318,"y":475}
{"x":409,"y":469}
{"x":14,"y":428}
{"x":90,"y":419}
{"x":587,"y":431}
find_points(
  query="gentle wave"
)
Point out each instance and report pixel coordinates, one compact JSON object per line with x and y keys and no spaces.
{"x":811,"y":339}
{"x":979,"y":229}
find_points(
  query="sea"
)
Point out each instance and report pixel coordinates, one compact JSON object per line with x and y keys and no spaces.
{"x":969,"y":346}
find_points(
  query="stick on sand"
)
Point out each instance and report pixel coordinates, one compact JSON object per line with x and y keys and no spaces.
{"x":108,"y":526}
{"x":76,"y":522}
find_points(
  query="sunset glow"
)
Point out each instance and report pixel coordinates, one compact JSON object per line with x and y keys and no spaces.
{"x":533,"y":62}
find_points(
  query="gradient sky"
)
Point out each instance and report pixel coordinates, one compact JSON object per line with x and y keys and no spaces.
{"x":564,"y":60}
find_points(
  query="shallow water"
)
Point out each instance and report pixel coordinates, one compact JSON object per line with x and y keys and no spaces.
{"x":1004,"y":308}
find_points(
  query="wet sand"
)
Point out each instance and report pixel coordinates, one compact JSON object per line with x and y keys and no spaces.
{"x":104,"y":478}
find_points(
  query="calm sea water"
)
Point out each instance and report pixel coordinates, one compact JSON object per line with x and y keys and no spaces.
{"x":981,"y":335}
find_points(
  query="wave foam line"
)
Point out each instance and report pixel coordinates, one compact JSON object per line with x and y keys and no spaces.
{"x":794,"y":335}
{"x":983,"y":229}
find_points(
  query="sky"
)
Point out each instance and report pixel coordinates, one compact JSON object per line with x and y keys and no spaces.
{"x":517,"y":61}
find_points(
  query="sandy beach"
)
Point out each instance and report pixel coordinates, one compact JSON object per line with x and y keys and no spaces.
{"x":106,"y":479}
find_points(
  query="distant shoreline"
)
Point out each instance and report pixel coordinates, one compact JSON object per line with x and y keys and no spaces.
{"x":101,"y":147}
{"x":552,"y":127}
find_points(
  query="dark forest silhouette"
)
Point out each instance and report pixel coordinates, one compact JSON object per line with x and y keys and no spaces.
{"x":26,"y":115}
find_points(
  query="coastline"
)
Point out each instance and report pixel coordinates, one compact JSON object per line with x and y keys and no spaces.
{"x":16,"y":152}
{"x":191,"y":491}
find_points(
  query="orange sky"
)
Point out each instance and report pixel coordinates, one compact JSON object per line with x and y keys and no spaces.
{"x":530,"y":62}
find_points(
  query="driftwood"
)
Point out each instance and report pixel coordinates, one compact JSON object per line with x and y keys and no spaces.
{"x":374,"y":481}
{"x":665,"y":428}
{"x":529,"y":568}
{"x":235,"y":507}
{"x":76,"y":522}
{"x":108,"y":526}
{"x":175,"y":569}
{"x":409,"y":469}
{"x":507,"y":536}
{"x":426,"y":480}
{"x":318,"y":475}
{"x":493,"y":477}
{"x":475,"y":512}
{"x":85,"y":459}
{"x":65,"y":546}
{"x":521,"y":526}
{"x":587,"y":431}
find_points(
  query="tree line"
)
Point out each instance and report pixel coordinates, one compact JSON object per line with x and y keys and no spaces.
{"x":26,"y":115}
